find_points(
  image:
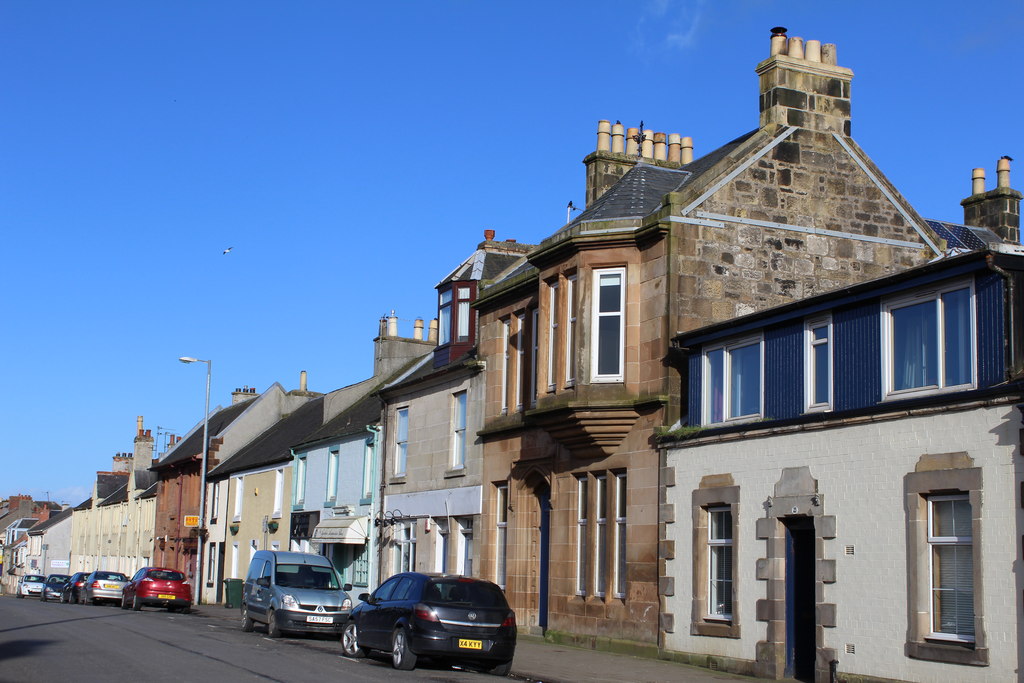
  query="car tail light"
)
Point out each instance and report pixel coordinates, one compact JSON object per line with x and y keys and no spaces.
{"x":147,"y":580}
{"x":421,"y":611}
{"x":184,"y":583}
{"x":95,"y":584}
{"x":510,"y":620}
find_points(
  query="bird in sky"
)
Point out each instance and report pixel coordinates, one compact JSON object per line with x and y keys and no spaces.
{"x":227,"y":250}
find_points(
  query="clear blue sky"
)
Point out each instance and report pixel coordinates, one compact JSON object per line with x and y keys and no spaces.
{"x":353,"y":153}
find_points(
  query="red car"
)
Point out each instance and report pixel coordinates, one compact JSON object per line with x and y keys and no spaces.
{"x":159,"y":587}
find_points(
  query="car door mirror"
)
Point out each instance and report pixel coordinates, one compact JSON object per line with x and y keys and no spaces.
{"x":365,"y":597}
{"x":347,"y":587}
{"x":263,"y":581}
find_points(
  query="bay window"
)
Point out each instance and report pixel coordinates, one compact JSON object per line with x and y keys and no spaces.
{"x":608,"y":325}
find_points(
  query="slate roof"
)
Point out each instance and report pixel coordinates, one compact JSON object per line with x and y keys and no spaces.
{"x":193,"y":445}
{"x":275,"y":443}
{"x":120,"y":495}
{"x":84,"y":505}
{"x":109,"y":482}
{"x":966,"y":237}
{"x":353,"y":420}
{"x":53,"y":520}
{"x":641,"y":189}
{"x":489,"y":261}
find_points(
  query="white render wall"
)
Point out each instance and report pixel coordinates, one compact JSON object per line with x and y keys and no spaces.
{"x":860,"y":471}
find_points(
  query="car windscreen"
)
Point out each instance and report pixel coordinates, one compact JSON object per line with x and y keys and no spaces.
{"x":165,"y":575}
{"x":110,"y":576}
{"x":306,"y":576}
{"x":34,"y":578}
{"x":464,"y":592}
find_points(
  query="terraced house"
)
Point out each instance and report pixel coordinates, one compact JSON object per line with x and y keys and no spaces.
{"x":576,"y":339}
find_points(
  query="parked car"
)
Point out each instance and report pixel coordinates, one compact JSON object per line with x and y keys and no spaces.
{"x":100,"y":586}
{"x":30,"y":585}
{"x":450,"y":618}
{"x":72,"y":590}
{"x":53,"y":586}
{"x":159,"y":587}
{"x":294,"y":592}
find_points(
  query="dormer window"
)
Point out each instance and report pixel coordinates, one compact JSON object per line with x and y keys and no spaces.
{"x":454,"y":315}
{"x":444,"y":317}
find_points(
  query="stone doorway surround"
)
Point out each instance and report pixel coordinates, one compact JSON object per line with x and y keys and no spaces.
{"x":796,"y":495}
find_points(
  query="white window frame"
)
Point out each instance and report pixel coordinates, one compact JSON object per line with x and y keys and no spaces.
{"x":582,"y":554}
{"x":401,"y":440}
{"x":405,"y":547}
{"x":444,"y":316}
{"x":570,"y":331}
{"x":215,"y":503}
{"x":727,"y":389}
{"x":463,"y":314}
{"x":888,"y":342}
{"x":597,"y":315}
{"x":441,"y":546}
{"x":278,"y":493}
{"x":811,"y":367}
{"x":520,"y":355}
{"x":946,"y":541}
{"x":619,"y":544}
{"x":299,"y":482}
{"x":234,"y":560}
{"x":712,"y":610}
{"x":506,"y":333}
{"x":368,"y":452}
{"x":333,"y":460}
{"x":501,"y":535}
{"x":601,"y":535}
{"x":553,"y":313}
{"x":460,"y":413}
{"x":534,"y":348}
{"x":465,"y":543}
{"x":239,"y":494}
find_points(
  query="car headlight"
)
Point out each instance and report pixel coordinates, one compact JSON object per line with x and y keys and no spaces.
{"x":347,"y":604}
{"x":289,"y":602}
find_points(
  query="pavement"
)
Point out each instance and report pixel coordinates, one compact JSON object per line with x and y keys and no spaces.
{"x":544,"y":662}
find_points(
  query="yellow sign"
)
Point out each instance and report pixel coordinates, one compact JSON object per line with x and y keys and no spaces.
{"x":191,"y":521}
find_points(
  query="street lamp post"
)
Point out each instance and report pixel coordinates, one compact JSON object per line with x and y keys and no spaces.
{"x":200,"y":540}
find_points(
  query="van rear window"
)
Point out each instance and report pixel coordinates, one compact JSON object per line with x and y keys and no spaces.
{"x":166,"y":575}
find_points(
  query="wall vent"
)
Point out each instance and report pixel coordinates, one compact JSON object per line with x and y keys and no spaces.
{"x":850,"y":550}
{"x":851,"y":649}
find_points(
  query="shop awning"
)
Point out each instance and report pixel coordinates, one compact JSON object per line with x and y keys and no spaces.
{"x":341,"y":530}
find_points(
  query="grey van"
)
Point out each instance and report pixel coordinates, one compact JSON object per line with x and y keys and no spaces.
{"x":294,"y":593}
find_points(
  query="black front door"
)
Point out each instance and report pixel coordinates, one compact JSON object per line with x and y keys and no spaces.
{"x":800,"y":617}
{"x":544,"y":498}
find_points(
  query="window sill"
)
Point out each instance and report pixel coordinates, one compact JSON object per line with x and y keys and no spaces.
{"x":455,"y":472}
{"x":365,"y":501}
{"x":297,"y":507}
{"x":277,"y":515}
{"x":948,"y":652}
{"x":397,"y":479}
{"x":611,"y":379}
{"x":330,"y":503}
{"x":715,"y":628}
{"x":904,"y":394}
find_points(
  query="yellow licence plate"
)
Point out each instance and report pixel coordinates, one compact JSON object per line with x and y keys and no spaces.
{"x":164,"y":596}
{"x":471,"y":644}
{"x":111,"y":585}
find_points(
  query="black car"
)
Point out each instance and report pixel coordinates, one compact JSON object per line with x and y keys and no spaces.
{"x":452,"y":618}
{"x":72,"y":591}
{"x":53,"y":587}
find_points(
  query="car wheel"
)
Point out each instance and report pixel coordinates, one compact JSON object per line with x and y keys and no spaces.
{"x":402,"y":658}
{"x":247,"y":623}
{"x":42,"y":598}
{"x":124,"y":601}
{"x":272,"y":628}
{"x":136,"y":605}
{"x":350,"y":641}
{"x":503,"y":669}
{"x":183,"y":610}
{"x":95,"y":601}
{"x":20,"y":596}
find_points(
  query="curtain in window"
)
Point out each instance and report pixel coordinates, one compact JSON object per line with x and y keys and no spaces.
{"x":745,"y":380}
{"x":914,"y":346}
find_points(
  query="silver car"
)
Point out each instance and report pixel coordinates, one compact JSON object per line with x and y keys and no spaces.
{"x":30,"y":585}
{"x":101,"y":585}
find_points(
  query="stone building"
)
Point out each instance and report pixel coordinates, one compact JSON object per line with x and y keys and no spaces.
{"x":575,"y":340}
{"x":433,"y":462}
{"x":858,"y":518}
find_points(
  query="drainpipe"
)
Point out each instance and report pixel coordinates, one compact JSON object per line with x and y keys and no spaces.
{"x":371,"y":530}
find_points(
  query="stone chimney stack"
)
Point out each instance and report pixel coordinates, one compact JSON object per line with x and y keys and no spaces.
{"x":143,"y":451}
{"x":620,"y":149}
{"x":246,"y":393}
{"x":122,"y":463}
{"x":802,"y":86}
{"x":999,"y":208}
